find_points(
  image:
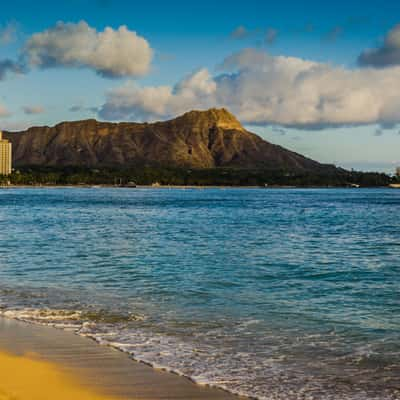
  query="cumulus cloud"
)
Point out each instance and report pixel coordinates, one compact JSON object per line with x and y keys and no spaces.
{"x":388,"y":54}
{"x":149,"y":103}
{"x":4,"y":113}
{"x":31,"y":110}
{"x":264,"y":89}
{"x":111,"y":53}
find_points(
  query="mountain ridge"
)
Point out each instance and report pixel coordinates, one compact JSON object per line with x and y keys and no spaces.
{"x":197,"y":139}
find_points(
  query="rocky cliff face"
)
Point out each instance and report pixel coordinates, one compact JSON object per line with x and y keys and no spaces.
{"x":197,"y":139}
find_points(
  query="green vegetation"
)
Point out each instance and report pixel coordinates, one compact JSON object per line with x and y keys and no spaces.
{"x":202,"y":177}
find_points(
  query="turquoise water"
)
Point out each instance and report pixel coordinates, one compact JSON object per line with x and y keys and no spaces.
{"x":276,"y":294}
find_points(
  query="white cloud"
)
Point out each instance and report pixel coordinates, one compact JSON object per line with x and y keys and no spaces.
{"x":30,"y":110}
{"x":111,"y":53}
{"x":264,"y":89}
{"x":388,"y":54}
{"x":148,"y":103}
{"x":132,"y":102}
{"x":4,"y":113}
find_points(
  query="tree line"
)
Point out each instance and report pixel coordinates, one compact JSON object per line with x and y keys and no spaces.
{"x":147,"y":175}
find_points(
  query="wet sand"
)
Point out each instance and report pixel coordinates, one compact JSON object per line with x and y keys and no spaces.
{"x":49,"y":361}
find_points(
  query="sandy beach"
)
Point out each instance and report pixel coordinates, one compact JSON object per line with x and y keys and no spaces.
{"x":25,"y":377}
{"x":44,"y":363}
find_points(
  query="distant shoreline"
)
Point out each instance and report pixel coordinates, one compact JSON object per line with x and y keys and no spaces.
{"x":183,"y":187}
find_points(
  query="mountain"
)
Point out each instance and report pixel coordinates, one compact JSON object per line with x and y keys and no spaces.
{"x":197,"y":139}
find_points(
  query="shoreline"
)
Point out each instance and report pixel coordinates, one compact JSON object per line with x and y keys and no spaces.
{"x":103,"y":370}
{"x":183,"y":187}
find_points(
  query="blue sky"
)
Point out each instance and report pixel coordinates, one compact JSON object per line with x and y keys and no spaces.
{"x":240,"y":55}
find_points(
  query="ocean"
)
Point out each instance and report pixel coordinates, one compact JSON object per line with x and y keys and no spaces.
{"x":269,"y":293}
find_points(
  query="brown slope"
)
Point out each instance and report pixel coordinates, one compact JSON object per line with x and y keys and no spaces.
{"x":197,"y":139}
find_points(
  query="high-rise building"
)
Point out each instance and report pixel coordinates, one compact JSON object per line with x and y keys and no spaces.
{"x":5,"y":156}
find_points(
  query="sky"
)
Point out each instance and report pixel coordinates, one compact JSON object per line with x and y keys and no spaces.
{"x":320,"y":78}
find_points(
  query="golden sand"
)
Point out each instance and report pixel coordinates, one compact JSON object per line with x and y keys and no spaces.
{"x":27,"y":378}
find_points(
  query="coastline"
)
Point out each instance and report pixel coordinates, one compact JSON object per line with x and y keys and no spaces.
{"x":183,"y":187}
{"x":79,"y":366}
